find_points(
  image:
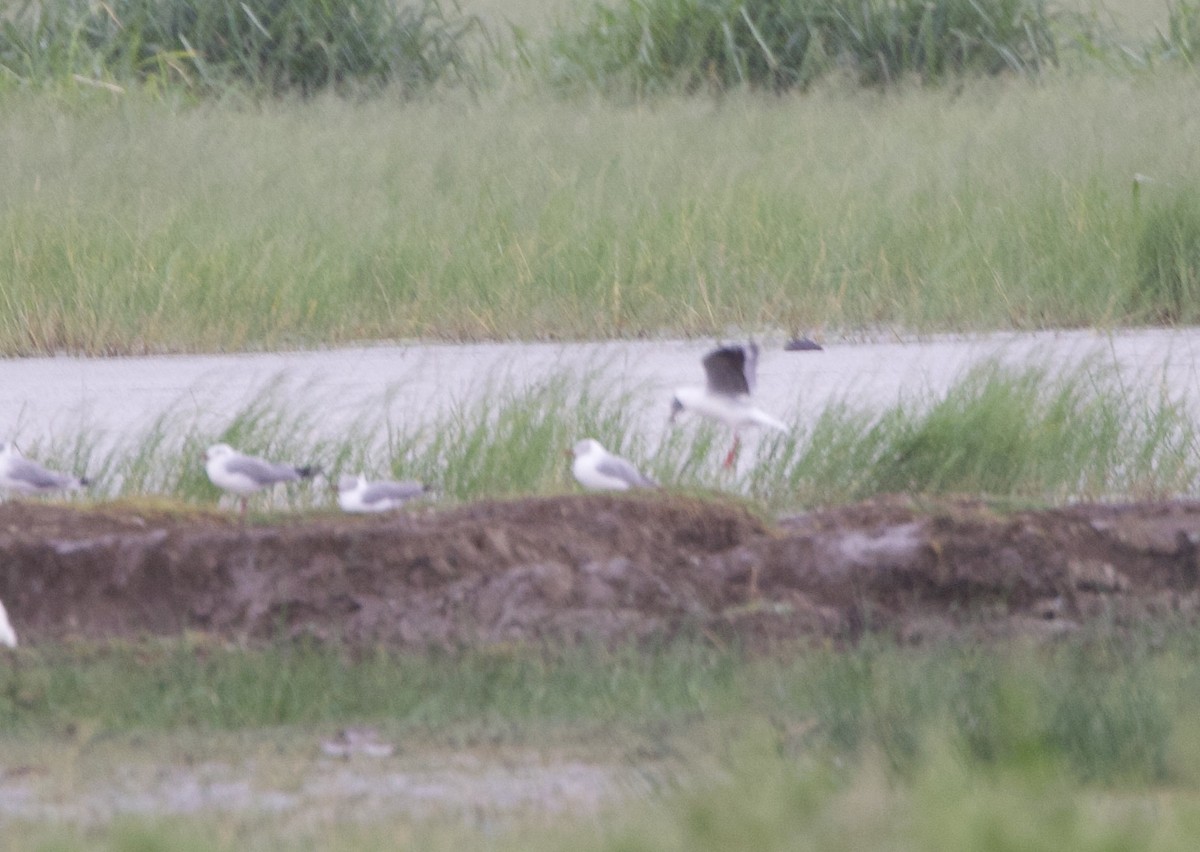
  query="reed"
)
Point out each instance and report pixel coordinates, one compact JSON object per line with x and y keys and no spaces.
{"x":277,"y":47}
{"x":667,"y":45}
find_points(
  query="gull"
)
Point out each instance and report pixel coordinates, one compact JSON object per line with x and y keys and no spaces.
{"x":599,"y":470}
{"x":356,"y":494}
{"x":8,"y":636}
{"x":243,"y":475}
{"x":23,"y":476}
{"x":731,"y":373}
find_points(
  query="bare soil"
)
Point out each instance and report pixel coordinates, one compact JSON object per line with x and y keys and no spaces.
{"x":597,"y":568}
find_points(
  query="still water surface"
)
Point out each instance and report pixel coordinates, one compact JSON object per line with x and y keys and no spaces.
{"x":116,"y":399}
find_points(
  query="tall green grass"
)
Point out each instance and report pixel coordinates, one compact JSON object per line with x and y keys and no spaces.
{"x":1097,"y":707}
{"x":1028,"y":434}
{"x":303,"y":46}
{"x":656,"y":45}
{"x":271,"y":46}
{"x":1086,"y":743}
{"x":141,"y":227}
{"x":1168,"y":256}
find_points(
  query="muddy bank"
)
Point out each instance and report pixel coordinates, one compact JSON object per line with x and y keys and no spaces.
{"x":596,"y":568}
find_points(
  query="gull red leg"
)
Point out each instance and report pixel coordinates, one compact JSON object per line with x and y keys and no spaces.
{"x":732,"y":457}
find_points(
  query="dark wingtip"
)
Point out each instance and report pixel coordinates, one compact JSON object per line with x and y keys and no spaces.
{"x":308,"y":471}
{"x":84,"y":482}
{"x":802,"y":344}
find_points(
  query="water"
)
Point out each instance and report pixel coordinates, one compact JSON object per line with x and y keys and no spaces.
{"x":116,"y":399}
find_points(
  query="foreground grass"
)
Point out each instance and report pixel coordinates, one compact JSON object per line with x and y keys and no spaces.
{"x":1087,"y":743}
{"x":132,"y":224}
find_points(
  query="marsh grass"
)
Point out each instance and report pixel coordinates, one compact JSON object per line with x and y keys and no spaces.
{"x":289,"y":46}
{"x":141,"y":226}
{"x":1168,"y":256}
{"x":1062,"y":745}
{"x":671,"y":45}
{"x":1027,"y":433}
{"x":1099,"y":706}
{"x":1002,"y":432}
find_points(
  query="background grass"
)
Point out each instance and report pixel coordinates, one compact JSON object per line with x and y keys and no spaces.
{"x":266,"y":46}
{"x":647,"y":45}
{"x":147,"y":221}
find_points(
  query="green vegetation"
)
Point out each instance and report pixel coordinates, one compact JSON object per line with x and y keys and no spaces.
{"x":141,"y":227}
{"x":1024,"y":434}
{"x":643,"y":45}
{"x":149,"y":217}
{"x":1168,"y":256}
{"x":274,"y":46}
{"x":1058,"y":746}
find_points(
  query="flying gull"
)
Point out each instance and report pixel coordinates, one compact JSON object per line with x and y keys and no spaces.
{"x":243,"y":475}
{"x":356,"y":494}
{"x":731,"y":372}
{"x":599,"y":470}
{"x":20,"y":475}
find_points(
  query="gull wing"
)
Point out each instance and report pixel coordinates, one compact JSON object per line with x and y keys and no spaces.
{"x":263,"y":472}
{"x":36,"y":475}
{"x":730,"y":369}
{"x":621,"y":469}
{"x":380,"y":491}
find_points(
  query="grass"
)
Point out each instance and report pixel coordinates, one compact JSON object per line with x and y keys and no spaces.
{"x":289,"y":47}
{"x":134,"y":225}
{"x":1025,"y":434}
{"x":1168,"y":260}
{"x":1028,"y":434}
{"x":964,"y":747}
{"x":672,"y":45}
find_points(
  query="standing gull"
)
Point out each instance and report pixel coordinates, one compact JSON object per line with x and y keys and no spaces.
{"x":20,"y":475}
{"x":731,"y":372}
{"x":356,"y":494}
{"x":599,"y":470}
{"x":243,"y":475}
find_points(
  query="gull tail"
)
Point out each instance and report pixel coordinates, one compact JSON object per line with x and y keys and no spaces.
{"x":763,"y":419}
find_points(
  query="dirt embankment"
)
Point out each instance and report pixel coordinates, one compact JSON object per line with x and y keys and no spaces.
{"x":596,"y":568}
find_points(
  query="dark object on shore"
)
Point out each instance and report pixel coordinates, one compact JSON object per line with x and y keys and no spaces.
{"x":802,"y":344}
